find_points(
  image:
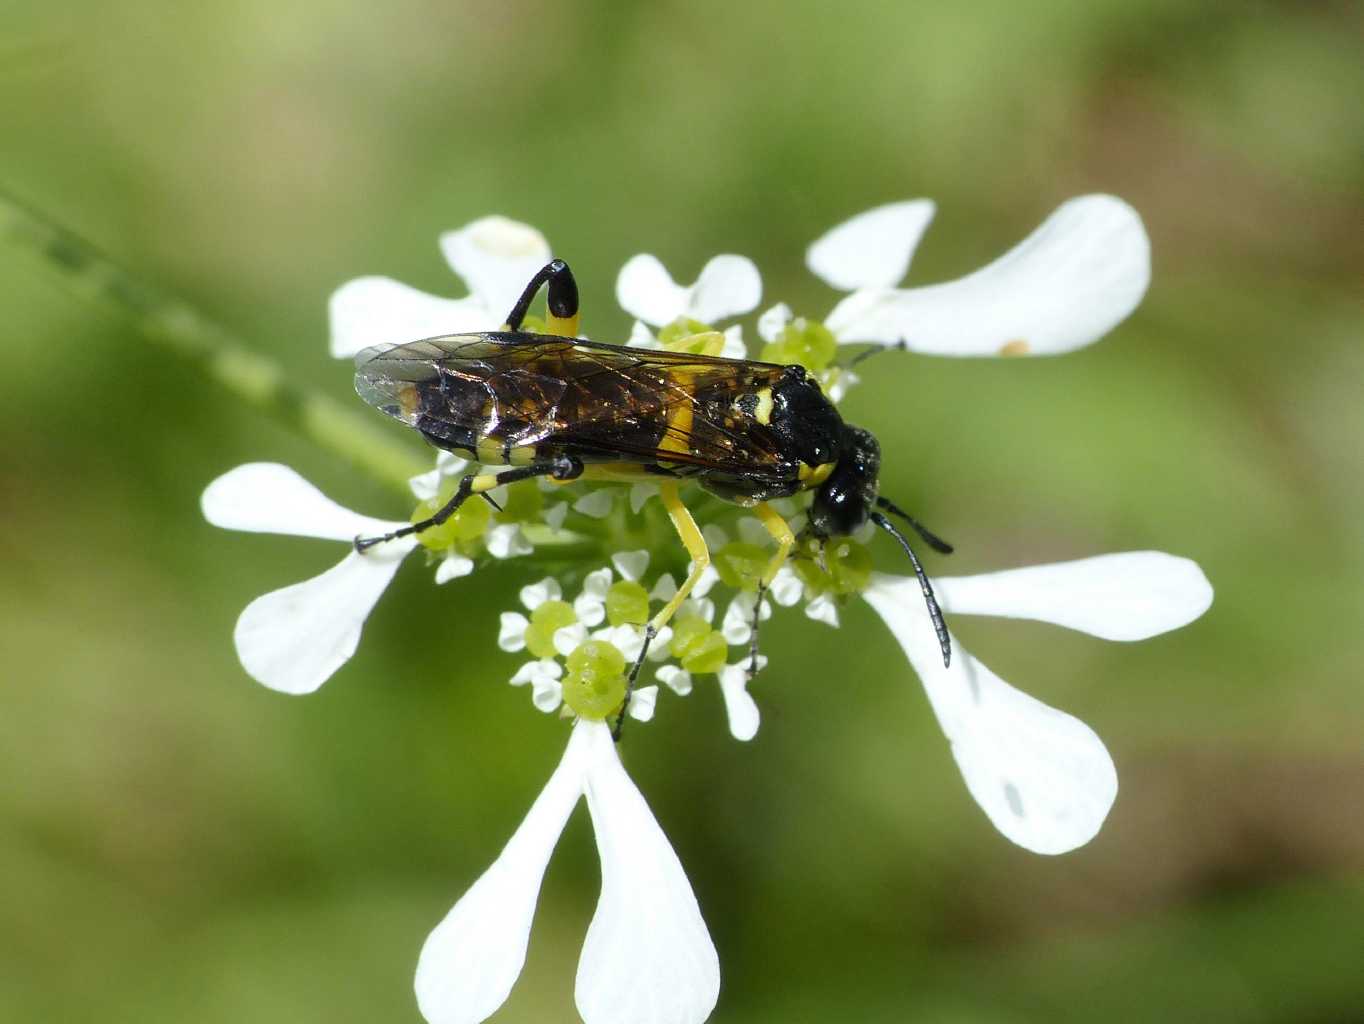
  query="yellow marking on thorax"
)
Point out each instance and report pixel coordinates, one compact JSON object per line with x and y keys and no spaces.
{"x":409,"y":401}
{"x":677,"y":437}
{"x":763,"y":413}
{"x":812,"y":476}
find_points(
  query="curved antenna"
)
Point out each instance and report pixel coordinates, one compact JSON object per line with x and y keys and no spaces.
{"x":932,"y":539}
{"x":934,"y":612}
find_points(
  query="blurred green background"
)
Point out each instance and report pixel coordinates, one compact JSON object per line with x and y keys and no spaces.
{"x":177,"y":843}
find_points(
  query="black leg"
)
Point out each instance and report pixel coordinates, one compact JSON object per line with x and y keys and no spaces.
{"x":560,"y":468}
{"x":562,"y":299}
{"x":753,"y":637}
{"x":649,"y":634}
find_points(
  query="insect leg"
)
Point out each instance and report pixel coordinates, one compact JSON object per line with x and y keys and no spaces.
{"x":562,"y":300}
{"x":781,"y":533}
{"x":560,"y":468}
{"x":700,"y":556}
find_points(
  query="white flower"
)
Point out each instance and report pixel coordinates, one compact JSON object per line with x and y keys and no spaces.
{"x":1044,"y":778}
{"x":495,"y":256}
{"x":728,"y":286}
{"x":740,"y":709}
{"x":647,"y":959}
{"x":293,"y":639}
{"x":1063,"y":287}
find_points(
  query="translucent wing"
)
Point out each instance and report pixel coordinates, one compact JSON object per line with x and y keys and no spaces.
{"x":600,"y":402}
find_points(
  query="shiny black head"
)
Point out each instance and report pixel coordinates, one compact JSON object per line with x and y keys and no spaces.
{"x":846,"y":500}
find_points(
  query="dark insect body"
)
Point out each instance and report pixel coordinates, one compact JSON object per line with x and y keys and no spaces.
{"x":558,"y":406}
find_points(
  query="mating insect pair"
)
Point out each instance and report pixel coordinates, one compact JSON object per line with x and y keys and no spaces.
{"x":553,"y":405}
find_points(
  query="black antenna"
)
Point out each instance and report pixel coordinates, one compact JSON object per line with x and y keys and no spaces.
{"x":934,"y":612}
{"x":867,"y":353}
{"x":933,"y":540}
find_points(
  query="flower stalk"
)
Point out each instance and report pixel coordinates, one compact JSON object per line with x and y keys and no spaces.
{"x":346,"y":430}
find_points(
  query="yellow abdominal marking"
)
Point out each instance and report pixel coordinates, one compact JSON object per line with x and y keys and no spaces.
{"x":409,"y":401}
{"x":677,"y":436}
{"x":763,"y":413}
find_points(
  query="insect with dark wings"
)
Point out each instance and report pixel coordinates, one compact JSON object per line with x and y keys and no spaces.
{"x":557,"y":406}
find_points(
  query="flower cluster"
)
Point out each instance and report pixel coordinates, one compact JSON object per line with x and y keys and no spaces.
{"x":1042,"y":777}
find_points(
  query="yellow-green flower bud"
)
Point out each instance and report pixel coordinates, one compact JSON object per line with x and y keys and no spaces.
{"x":467,"y":524}
{"x":523,"y":505}
{"x":547,"y":619}
{"x":699,"y":648}
{"x":691,"y":337}
{"x":803,"y":341}
{"x":847,"y":567}
{"x":594,"y":685}
{"x":741,"y":565}
{"x":627,"y":602}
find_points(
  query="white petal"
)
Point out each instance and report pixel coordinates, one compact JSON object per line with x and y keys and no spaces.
{"x":597,"y":583}
{"x":497,"y":257}
{"x":737,"y":625}
{"x":1127,"y":596}
{"x":533,"y":595}
{"x":873,"y":249}
{"x":1066,"y":285}
{"x":734,"y":347}
{"x":293,"y":639}
{"x":555,"y":515}
{"x":639,"y":494}
{"x":631,"y":564}
{"x":380,"y":311}
{"x":709,"y":577}
{"x":1043,"y":778}
{"x":470,"y":962}
{"x":266,"y":497}
{"x":426,"y":486}
{"x":739,"y":706}
{"x":629,"y":640}
{"x":596,"y":504}
{"x":701,"y":607}
{"x":511,"y":636}
{"x":658,"y":651}
{"x":507,"y":541}
{"x":728,"y":286}
{"x":546,"y":694}
{"x":648,"y":958}
{"x":567,"y":638}
{"x":590,"y":611}
{"x":786,"y":587}
{"x":664,"y":588}
{"x":770,"y":324}
{"x":642,"y":337}
{"x":675,"y":678}
{"x":823,"y":609}
{"x":642,"y":703}
{"x":452,"y":567}
{"x":646,"y":291}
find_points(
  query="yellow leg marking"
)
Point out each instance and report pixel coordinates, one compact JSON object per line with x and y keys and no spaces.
{"x":780,"y":532}
{"x":563,"y":326}
{"x":691,"y":540}
{"x":483,"y":482}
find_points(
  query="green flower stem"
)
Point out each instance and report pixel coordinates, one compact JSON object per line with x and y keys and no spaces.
{"x":178,"y":327}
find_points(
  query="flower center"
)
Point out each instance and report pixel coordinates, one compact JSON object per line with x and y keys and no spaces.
{"x":594,"y":685}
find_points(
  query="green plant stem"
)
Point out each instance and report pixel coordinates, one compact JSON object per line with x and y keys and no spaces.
{"x":180,"y":328}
